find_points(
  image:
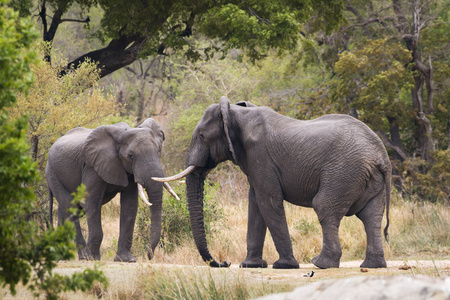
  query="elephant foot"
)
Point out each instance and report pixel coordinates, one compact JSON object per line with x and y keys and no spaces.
{"x":374,"y":261}
{"x":125,"y":257}
{"x":286,"y":264}
{"x":85,"y":254}
{"x":253,"y":262}
{"x":150,"y":254}
{"x":324,"y":261}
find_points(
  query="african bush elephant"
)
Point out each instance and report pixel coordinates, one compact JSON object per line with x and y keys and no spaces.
{"x":334,"y":164}
{"x":108,"y":160}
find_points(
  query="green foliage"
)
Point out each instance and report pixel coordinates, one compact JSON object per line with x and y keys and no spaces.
{"x":55,"y":104}
{"x":180,"y":133}
{"x":168,"y":26}
{"x":17,"y":33}
{"x":305,"y":227}
{"x":202,"y":84}
{"x":257,"y":26}
{"x":17,"y":172}
{"x":430,"y":181}
{"x":374,"y":76}
{"x":394,"y":78}
{"x":25,"y":254}
{"x":176,"y":226}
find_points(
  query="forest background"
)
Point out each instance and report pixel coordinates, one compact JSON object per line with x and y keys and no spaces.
{"x":101,"y":62}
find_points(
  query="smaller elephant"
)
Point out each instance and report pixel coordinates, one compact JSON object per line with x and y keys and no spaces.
{"x":108,"y":160}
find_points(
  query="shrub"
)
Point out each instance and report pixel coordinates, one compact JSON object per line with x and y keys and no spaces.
{"x":429,"y":181}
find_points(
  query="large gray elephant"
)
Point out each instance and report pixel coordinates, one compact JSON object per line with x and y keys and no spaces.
{"x":334,"y":164}
{"x":108,"y":160}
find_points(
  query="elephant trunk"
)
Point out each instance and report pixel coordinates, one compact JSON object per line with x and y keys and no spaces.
{"x":194,"y":186}
{"x":155,"y":194}
{"x":155,"y":219}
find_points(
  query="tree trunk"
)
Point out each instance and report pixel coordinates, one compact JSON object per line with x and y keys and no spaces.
{"x":388,"y":143}
{"x":34,"y":147}
{"x":448,"y":134}
{"x":115,"y":56}
{"x":425,"y":143}
{"x":400,"y":153}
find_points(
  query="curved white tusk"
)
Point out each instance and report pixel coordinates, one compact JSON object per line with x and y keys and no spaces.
{"x":172,"y":192}
{"x":175,"y":177}
{"x":142,"y":194}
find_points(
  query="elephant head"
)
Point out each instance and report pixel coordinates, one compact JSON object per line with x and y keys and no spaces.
{"x":211,"y":144}
{"x":122,"y":156}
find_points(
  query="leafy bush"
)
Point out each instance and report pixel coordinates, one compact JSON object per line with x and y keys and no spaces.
{"x":176,"y":226}
{"x":429,"y":181}
{"x":305,"y":227}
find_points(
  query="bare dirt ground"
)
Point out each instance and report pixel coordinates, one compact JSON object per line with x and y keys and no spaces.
{"x":128,"y":278}
{"x":119,"y":273}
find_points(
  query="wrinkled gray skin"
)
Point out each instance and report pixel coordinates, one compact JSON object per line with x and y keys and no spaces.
{"x":334,"y":164}
{"x":110,"y":159}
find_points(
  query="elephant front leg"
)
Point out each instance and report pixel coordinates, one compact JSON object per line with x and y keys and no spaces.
{"x":272,"y":211}
{"x":256,"y":233}
{"x":94,"y":220}
{"x":80,"y":241}
{"x":65,"y":199}
{"x":128,"y":210}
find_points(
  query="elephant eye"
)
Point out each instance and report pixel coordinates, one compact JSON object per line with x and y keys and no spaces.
{"x":130,"y":156}
{"x":202,"y":136}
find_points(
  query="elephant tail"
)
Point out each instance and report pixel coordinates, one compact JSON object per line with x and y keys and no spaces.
{"x":386,"y":169}
{"x":50,"y":205}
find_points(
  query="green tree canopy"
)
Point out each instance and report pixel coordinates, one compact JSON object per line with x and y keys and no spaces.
{"x":135,"y":28}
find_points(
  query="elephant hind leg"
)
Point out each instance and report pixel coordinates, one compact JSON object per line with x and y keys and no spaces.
{"x":371,"y":216}
{"x":64,"y":199}
{"x":330,"y":217}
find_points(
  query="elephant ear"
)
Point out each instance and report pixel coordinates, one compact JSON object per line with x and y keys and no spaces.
{"x":246,"y":104}
{"x":225,"y":111}
{"x":101,"y":152}
{"x":157,"y":132}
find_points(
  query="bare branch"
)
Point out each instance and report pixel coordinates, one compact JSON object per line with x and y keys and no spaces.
{"x":253,"y":13}
{"x":388,"y":143}
{"x":131,"y":70}
{"x":87,"y":20}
